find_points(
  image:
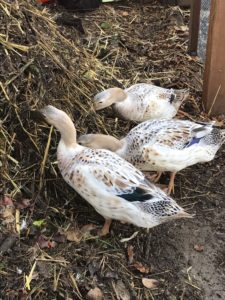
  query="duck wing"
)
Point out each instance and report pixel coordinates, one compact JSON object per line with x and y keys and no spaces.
{"x":151,"y":91}
{"x":178,"y":134}
{"x":109,"y":175}
{"x":175,"y":134}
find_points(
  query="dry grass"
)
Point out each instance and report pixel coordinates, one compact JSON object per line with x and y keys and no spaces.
{"x":39,"y":66}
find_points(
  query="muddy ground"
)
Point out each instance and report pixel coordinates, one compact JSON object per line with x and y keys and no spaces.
{"x":185,"y":257}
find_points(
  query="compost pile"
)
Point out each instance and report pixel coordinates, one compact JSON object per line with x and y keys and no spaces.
{"x":43,"y":63}
{"x":44,"y":254}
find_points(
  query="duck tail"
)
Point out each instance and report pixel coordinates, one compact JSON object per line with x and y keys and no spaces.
{"x":223,"y":135}
{"x":183,"y":214}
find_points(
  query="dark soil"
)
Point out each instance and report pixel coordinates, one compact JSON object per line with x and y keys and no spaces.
{"x":140,"y":44}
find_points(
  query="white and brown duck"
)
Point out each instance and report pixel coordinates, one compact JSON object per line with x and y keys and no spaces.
{"x":114,"y":187}
{"x":142,"y":101}
{"x":163,"y":145}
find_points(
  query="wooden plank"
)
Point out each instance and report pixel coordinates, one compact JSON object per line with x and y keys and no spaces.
{"x":184,"y":3}
{"x":214,"y":75}
{"x":194,"y":27}
{"x":168,"y":2}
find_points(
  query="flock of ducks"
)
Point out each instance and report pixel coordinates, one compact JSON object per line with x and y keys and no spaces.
{"x":106,"y":171}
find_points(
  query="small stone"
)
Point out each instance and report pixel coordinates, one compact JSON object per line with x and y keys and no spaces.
{"x":95,"y":294}
{"x":222,"y":181}
{"x":199,"y":248}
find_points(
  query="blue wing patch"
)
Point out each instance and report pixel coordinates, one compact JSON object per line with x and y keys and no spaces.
{"x":137,"y":195}
{"x":193,"y":141}
{"x":172,"y":97}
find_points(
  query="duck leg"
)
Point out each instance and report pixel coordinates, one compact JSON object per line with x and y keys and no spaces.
{"x":182,"y":113}
{"x":154,"y":177}
{"x":159,"y":174}
{"x":171,"y":183}
{"x":163,"y":187}
{"x":105,"y":228}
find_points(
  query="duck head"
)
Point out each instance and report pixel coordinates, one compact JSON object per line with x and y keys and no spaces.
{"x":109,"y":97}
{"x":61,"y":121}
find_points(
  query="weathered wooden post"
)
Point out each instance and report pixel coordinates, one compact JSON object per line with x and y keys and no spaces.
{"x":214,"y":75}
{"x":207,"y":40}
{"x":194,"y":27}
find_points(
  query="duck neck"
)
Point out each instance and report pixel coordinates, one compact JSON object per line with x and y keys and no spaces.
{"x":108,"y":142}
{"x":118,"y":95}
{"x":121,"y":151}
{"x":67,"y":131}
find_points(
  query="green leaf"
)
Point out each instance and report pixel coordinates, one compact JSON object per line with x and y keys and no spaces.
{"x":89,"y":74}
{"x":105,"y":25}
{"x":39,"y":223}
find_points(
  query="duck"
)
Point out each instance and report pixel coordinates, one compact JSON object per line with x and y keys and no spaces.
{"x":74,"y":4}
{"x":81,"y":5}
{"x":114,"y":187}
{"x":141,"y":102}
{"x":163,"y":145}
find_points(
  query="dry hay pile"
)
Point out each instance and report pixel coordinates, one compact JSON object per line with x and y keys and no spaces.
{"x":44,"y":63}
{"x":39,"y":65}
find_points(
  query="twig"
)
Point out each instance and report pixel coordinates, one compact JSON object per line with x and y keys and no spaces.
{"x":214,"y":100}
{"x":45,"y":158}
{"x":20,"y":72}
{"x":74,"y":283}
